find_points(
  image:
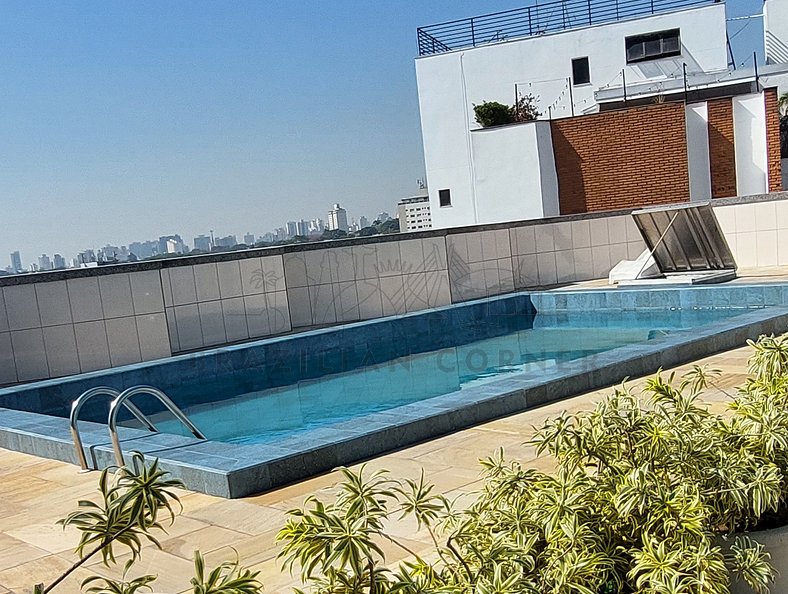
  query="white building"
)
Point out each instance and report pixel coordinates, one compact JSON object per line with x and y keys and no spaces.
{"x":44,"y":263}
{"x":775,"y":14}
{"x":414,"y":214}
{"x":337,"y":219}
{"x":572,"y":62}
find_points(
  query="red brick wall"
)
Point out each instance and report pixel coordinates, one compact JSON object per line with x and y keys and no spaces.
{"x":622,"y":159}
{"x":722,"y":151}
{"x":773,"y":141}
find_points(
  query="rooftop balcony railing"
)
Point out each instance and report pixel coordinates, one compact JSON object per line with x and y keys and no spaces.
{"x":549,"y":17}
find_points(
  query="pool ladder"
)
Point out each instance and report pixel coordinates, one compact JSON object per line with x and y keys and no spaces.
{"x":121,"y":399}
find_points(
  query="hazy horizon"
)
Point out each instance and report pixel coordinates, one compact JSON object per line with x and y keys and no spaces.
{"x":125,"y":122}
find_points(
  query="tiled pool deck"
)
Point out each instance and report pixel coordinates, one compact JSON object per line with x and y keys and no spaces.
{"x":34,"y":493}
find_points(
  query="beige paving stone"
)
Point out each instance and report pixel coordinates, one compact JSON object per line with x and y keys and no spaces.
{"x":21,"y":578}
{"x":276,"y":580}
{"x":205,"y":539}
{"x":19,"y":488}
{"x":173,"y":573}
{"x":292,"y":495}
{"x":249,"y":549}
{"x":241,"y":516}
{"x":51,"y":537}
{"x":14,"y":551}
{"x":8,"y":509}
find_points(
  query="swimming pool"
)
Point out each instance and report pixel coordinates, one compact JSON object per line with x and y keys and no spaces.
{"x":283,"y":409}
{"x":525,"y":343}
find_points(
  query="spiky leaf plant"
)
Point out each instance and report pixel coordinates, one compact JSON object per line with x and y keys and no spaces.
{"x":645,"y":493}
{"x":133,"y":500}
{"x":228,"y":578}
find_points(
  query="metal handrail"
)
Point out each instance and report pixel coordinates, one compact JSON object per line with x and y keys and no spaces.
{"x":114,"y":408}
{"x":547,"y":17}
{"x":77,"y":405}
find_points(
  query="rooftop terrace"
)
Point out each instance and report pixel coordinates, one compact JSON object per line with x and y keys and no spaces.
{"x":538,"y":19}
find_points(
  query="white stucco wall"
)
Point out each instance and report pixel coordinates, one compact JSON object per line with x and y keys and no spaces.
{"x":507,"y":168}
{"x":698,"y":151}
{"x":749,"y":131}
{"x":449,"y":85}
{"x":775,"y":24}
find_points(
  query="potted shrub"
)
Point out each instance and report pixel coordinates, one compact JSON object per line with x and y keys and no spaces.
{"x":650,"y":495}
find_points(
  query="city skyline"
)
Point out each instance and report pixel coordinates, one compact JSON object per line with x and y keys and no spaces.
{"x":129,"y":121}
{"x":59,"y":259}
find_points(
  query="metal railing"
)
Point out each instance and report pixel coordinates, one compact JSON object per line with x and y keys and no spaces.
{"x":549,"y":17}
{"x":114,"y":409}
{"x":77,"y":405}
{"x":120,"y":399}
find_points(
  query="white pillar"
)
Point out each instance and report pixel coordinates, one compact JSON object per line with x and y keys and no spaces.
{"x":749,"y":131}
{"x":697,"y":115}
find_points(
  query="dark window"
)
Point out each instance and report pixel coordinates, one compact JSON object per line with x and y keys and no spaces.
{"x":653,"y":45}
{"x":444,"y":196}
{"x":580,"y":72}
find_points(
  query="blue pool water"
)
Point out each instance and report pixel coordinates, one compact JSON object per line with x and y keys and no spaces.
{"x":246,"y":408}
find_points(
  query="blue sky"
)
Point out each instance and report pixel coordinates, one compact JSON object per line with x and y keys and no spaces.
{"x":123,"y":121}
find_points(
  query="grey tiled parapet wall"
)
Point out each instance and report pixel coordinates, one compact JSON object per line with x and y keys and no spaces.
{"x":232,"y":470}
{"x":62,"y":323}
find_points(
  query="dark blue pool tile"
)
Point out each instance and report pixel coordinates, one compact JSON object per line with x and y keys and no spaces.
{"x":665,"y":299}
{"x":642,"y":299}
{"x":704,"y":297}
{"x":754,"y":297}
{"x":772,"y":295}
{"x":723,"y":297}
{"x":545,"y":302}
{"x":614,"y":300}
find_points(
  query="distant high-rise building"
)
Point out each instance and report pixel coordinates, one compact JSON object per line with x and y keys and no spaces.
{"x":171,"y":242}
{"x":302,"y":228}
{"x":109,"y":253}
{"x":16,"y":262}
{"x":316,"y":225}
{"x":291,"y":229}
{"x":227,"y":241}
{"x":268,"y":237}
{"x":44,"y":263}
{"x":85,"y":258}
{"x":363,"y":222}
{"x":337,"y":219}
{"x":59,"y":262}
{"x":144,"y":249}
{"x":414,"y":213}
{"x":249,"y":239}
{"x":202,"y":243}
{"x":383,"y":217}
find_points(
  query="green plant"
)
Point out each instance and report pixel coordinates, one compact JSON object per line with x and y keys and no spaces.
{"x":492,"y":113}
{"x":646,"y":494}
{"x":227,"y":578}
{"x":525,"y":109}
{"x":133,"y":500}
